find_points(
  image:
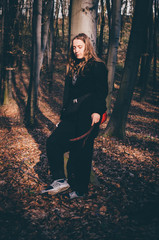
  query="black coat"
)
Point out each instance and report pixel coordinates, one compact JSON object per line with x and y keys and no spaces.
{"x":93,"y":80}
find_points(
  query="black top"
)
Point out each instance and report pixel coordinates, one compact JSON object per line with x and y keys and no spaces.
{"x":92,"y":80}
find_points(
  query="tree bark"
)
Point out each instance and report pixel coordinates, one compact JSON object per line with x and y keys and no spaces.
{"x":39,"y":42}
{"x":69,"y":25}
{"x":8,"y":21}
{"x":100,"y":47}
{"x":117,"y":122}
{"x":45,"y":24}
{"x":109,"y":14}
{"x":155,"y":46}
{"x":2,"y":53}
{"x":113,"y":48}
{"x":123,"y":16}
{"x":146,"y":57}
{"x":51,"y":67}
{"x":84,"y":19}
{"x":63,"y":3}
{"x":35,"y":62}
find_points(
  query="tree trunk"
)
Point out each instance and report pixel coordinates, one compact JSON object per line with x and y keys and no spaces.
{"x":51,"y":67}
{"x":100,"y":46}
{"x":84,"y":19}
{"x":35,"y":63}
{"x":69,"y":25}
{"x":8,"y":20}
{"x":2,"y":53}
{"x":113,"y":48}
{"x":39,"y":42}
{"x":117,"y":122}
{"x":147,"y":57}
{"x":109,"y":14}
{"x":155,"y":47}
{"x":63,"y":20}
{"x":56,"y":30}
{"x":8,"y":85}
{"x":45,"y":24}
{"x":30,"y":15}
{"x":54,"y":37}
{"x":123,"y":17}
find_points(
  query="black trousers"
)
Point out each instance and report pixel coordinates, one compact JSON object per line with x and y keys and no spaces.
{"x":80,"y":152}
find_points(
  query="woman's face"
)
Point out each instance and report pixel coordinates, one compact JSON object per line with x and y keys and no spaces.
{"x":78,"y":48}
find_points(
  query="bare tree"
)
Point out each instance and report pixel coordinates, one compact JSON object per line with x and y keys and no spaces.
{"x":84,"y":18}
{"x":100,"y":45}
{"x":9,"y":10}
{"x":146,"y":56}
{"x":155,"y":43}
{"x":123,"y":16}
{"x":113,"y":48}
{"x":39,"y":42}
{"x":108,"y":5}
{"x":69,"y":25}
{"x":29,"y":13}
{"x":117,"y":122}
{"x":63,"y":6}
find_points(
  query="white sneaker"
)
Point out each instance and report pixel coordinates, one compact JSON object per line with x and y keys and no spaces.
{"x":75,"y":194}
{"x":59,"y":185}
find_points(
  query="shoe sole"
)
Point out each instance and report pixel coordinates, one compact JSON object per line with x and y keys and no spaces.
{"x":78,"y":196}
{"x":53,"y":192}
{"x":59,"y":191}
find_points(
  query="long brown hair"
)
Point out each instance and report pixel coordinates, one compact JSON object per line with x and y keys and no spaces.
{"x":89,"y":52}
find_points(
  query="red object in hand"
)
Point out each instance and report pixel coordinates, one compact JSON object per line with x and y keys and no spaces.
{"x":104,"y":117}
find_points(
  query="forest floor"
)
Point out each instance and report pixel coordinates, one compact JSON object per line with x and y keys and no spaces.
{"x":124,"y":205}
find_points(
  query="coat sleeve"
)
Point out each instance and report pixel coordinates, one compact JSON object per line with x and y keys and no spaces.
{"x":100,"y":88}
{"x":65,"y":96}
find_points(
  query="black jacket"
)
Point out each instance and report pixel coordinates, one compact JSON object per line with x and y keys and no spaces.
{"x":92,"y":80}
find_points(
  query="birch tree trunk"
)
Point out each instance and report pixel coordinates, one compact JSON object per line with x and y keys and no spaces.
{"x":84,"y":19}
{"x":113,"y":48}
{"x":117,"y":122}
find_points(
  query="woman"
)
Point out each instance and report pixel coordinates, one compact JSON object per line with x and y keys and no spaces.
{"x":83,"y":105}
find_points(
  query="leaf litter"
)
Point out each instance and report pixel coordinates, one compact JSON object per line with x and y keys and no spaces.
{"x":125,"y":203}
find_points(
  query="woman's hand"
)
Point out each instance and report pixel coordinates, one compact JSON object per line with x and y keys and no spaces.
{"x":58,"y":124}
{"x":95,"y":118}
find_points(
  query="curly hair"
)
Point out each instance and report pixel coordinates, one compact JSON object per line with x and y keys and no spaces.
{"x":89,"y":53}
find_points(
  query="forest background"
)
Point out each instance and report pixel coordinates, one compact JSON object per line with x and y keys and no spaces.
{"x":124,"y":191}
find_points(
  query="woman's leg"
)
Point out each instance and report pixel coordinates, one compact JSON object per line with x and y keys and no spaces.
{"x":57,"y":144}
{"x":80,"y":162}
